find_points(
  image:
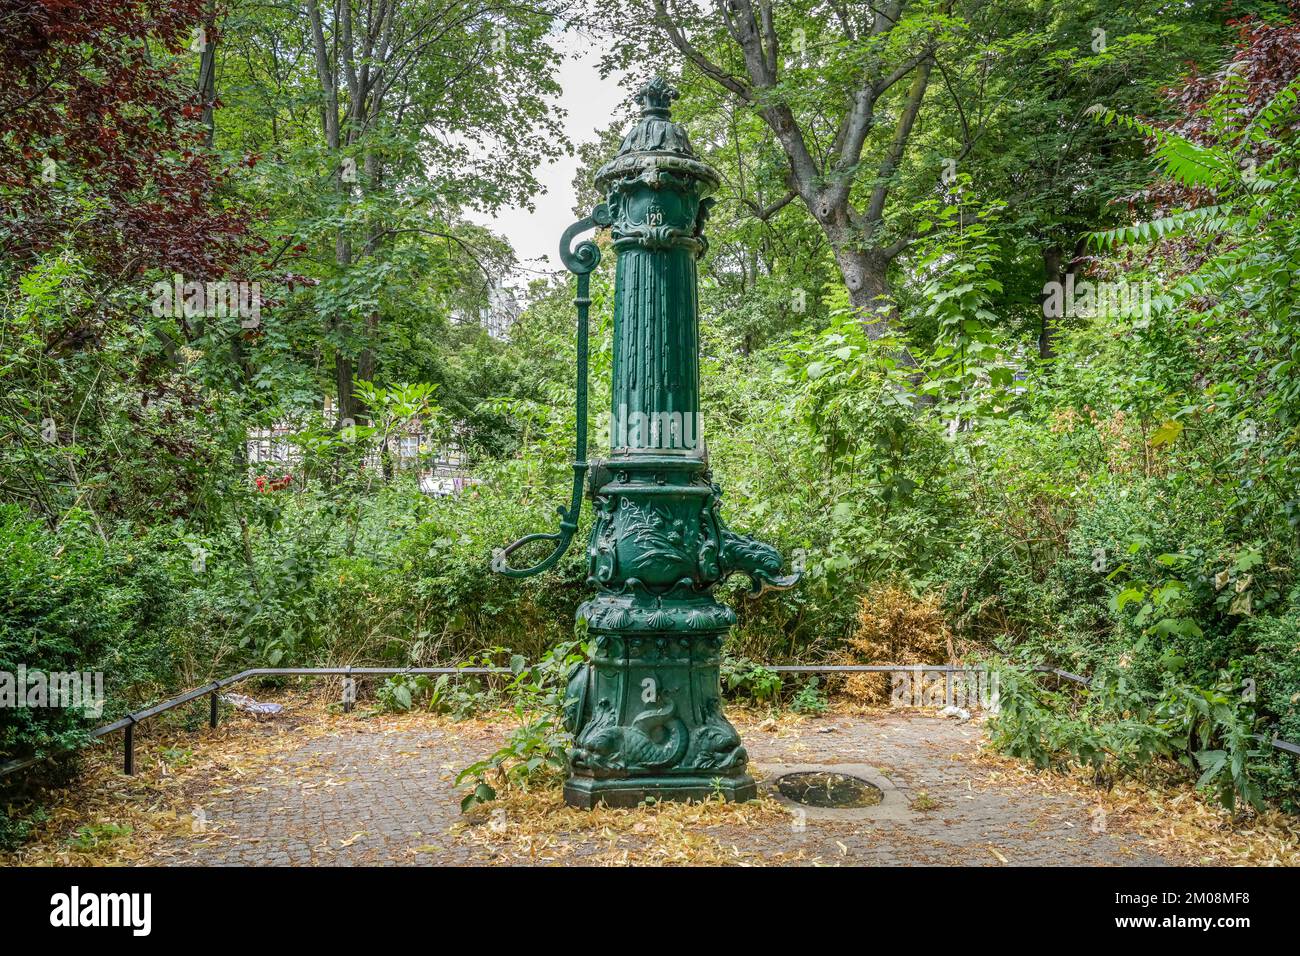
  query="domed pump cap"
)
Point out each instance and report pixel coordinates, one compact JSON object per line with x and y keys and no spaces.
{"x":655,"y":144}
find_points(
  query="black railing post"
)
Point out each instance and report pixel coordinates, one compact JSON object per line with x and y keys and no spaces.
{"x":128,"y":748}
{"x":212,"y":713}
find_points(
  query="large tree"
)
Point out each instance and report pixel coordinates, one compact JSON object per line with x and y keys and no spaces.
{"x":105,"y":186}
{"x":98,"y":144}
{"x":1038,"y":149}
{"x":841,"y":86}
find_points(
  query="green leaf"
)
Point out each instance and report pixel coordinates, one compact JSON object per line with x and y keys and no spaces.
{"x":1128,"y":596}
{"x":1166,"y":434}
{"x":1213,"y":762}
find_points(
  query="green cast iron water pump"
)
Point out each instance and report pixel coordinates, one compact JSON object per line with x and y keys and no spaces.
{"x":646,"y":711}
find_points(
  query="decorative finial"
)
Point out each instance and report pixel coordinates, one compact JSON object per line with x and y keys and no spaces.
{"x":655,"y":97}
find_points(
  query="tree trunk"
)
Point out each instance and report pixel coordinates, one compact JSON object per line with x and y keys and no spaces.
{"x":343,"y":389}
{"x":825,"y":181}
{"x":366,"y":360}
{"x":1057,"y":269}
{"x":207,"y":83}
{"x":343,"y":369}
{"x":865,"y":275}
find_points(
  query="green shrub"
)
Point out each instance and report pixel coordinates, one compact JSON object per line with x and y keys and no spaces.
{"x":743,"y":678}
{"x":1118,"y":728}
{"x":809,"y":699}
{"x":1273,"y":668}
{"x":74,"y":602}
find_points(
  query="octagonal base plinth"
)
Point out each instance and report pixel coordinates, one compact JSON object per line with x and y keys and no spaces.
{"x":587,"y":792}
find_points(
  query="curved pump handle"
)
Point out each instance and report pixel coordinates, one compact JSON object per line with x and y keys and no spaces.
{"x":580,"y":260}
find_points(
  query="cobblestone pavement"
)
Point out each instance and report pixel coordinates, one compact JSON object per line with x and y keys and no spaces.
{"x":974,"y":820}
{"x":367,"y":797}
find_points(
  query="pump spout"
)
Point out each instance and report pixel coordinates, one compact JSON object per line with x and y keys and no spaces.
{"x":580,"y":260}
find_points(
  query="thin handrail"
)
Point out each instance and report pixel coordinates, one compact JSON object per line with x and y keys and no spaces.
{"x":128,"y":722}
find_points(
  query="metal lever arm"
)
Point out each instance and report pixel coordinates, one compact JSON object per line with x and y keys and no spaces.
{"x":580,"y":260}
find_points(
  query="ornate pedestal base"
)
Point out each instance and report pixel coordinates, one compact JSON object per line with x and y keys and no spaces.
{"x":646,"y":715}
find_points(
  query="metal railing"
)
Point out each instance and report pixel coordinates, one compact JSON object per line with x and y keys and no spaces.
{"x":211,"y":691}
{"x":127,"y":724}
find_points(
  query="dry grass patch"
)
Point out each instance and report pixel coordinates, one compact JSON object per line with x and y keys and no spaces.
{"x":895,"y":627}
{"x":539,"y":827}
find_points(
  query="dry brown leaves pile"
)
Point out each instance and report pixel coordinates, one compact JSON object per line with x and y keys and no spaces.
{"x":104,"y":818}
{"x":107,"y":819}
{"x":1176,"y":822}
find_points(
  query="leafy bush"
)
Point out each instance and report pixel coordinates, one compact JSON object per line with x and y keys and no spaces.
{"x":744,"y":678}
{"x":1117,"y":728}
{"x":72,"y":601}
{"x":1272,"y":673}
{"x":809,"y":699}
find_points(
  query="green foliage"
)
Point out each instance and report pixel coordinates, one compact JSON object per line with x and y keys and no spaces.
{"x":461,"y":697}
{"x":88,"y":839}
{"x":1126,"y":509}
{"x":958,"y":256}
{"x":1271,"y":664}
{"x":535,"y":752}
{"x":809,"y":699}
{"x":744,"y":678}
{"x":887,"y":498}
{"x":74,"y":602}
{"x":1118,"y":727}
{"x":399,"y":692}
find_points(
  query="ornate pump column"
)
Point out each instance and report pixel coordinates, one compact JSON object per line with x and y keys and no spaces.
{"x":646,"y":711}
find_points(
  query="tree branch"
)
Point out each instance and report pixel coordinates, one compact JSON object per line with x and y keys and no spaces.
{"x":894,"y":154}
{"x":706,"y":66}
{"x":765,"y":213}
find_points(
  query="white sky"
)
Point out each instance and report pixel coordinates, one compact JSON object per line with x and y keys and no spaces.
{"x":591,"y":103}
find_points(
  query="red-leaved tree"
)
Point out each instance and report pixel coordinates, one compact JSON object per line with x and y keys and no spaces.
{"x":101,"y":143}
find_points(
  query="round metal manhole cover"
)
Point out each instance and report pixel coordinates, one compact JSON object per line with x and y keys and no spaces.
{"x":822,"y":788}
